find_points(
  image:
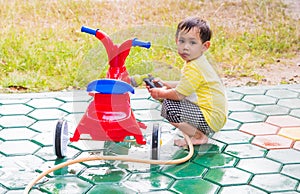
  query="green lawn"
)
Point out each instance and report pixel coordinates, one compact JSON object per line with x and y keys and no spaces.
{"x":42,"y":48}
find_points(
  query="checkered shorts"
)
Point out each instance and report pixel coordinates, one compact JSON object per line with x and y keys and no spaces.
{"x":185,"y":111}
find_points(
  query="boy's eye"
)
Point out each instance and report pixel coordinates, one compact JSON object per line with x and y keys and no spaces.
{"x":193,"y":42}
{"x":181,"y":41}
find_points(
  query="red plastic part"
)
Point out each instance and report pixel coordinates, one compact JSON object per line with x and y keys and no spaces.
{"x":117,"y":55}
{"x":109,"y":116}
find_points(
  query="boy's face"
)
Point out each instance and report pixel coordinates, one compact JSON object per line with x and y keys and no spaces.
{"x":189,"y":44}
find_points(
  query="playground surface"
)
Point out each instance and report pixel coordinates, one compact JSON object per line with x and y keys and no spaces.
{"x":257,"y":151}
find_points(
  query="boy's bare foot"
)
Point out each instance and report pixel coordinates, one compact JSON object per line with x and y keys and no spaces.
{"x":180,"y":142}
{"x":195,"y":141}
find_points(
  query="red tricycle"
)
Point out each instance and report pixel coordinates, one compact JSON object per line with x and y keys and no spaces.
{"x":109,"y":116}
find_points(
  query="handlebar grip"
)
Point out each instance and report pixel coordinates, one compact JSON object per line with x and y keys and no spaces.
{"x":149,"y":83}
{"x":136,"y":42}
{"x":158,"y":84}
{"x":88,"y":30}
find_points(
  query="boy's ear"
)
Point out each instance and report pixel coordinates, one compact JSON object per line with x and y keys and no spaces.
{"x":206,"y":44}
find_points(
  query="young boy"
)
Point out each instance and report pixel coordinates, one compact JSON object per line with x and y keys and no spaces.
{"x":196,"y":104}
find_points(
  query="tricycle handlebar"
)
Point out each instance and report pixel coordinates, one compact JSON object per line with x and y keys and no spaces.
{"x":135,"y":41}
{"x":88,"y":30}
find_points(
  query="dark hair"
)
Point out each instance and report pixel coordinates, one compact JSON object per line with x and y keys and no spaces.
{"x":187,"y":24}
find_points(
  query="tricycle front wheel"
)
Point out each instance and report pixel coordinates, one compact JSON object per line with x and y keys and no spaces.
{"x":155,"y":143}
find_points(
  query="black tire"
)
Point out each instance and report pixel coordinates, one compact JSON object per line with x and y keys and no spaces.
{"x":61,"y":139}
{"x":155,"y":143}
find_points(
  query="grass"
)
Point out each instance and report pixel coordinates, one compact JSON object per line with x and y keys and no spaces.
{"x":42,"y":48}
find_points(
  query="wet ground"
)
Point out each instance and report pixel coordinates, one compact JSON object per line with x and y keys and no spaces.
{"x":258,"y":150}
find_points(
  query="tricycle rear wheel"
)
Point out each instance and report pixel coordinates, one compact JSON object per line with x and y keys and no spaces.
{"x":61,"y":138}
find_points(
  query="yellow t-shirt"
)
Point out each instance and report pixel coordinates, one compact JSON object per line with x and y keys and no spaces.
{"x":201,"y":85}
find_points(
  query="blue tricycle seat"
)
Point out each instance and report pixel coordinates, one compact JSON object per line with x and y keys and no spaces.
{"x":109,"y":86}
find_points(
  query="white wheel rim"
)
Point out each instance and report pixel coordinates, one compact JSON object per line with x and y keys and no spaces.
{"x":64,"y":138}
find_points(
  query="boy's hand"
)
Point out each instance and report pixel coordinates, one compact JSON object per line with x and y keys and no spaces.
{"x":165,"y":93}
{"x":156,"y":93}
{"x":153,"y":82}
{"x":158,"y":82}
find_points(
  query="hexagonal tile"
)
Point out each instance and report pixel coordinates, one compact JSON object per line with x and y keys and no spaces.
{"x":2,"y":190}
{"x":290,"y":103}
{"x":213,"y":160}
{"x":286,"y":192}
{"x":272,"y":142}
{"x":47,"y":153}
{"x":90,"y":145}
{"x":285,"y":156}
{"x":103,"y":174}
{"x":247,"y":117}
{"x":22,"y":147}
{"x":44,"y":125}
{"x":259,"y":128}
{"x":69,"y":170}
{"x":185,"y":170}
{"x":192,"y":185}
{"x":44,"y":139}
{"x":233,"y":95}
{"x":33,"y":191}
{"x":271,"y":110}
{"x":47,"y":114}
{"x":75,"y":96}
{"x":249,"y":90}
{"x":284,"y":121}
{"x":232,"y":137}
{"x":21,"y":163}
{"x":245,"y":151}
{"x":227,"y":176}
{"x":110,"y":188}
{"x":14,"y":101}
{"x":240,"y":189}
{"x":295,"y":113}
{"x":45,"y":103}
{"x":151,"y":181}
{"x":74,"y":107}
{"x":259,"y":165}
{"x":297,"y":145}
{"x":294,"y":88}
{"x":144,"y":104}
{"x":66,"y":185}
{"x":292,"y":170}
{"x":282,"y":93}
{"x":274,"y":182}
{"x":259,"y":99}
{"x":16,"y":179}
{"x":231,"y":125}
{"x":211,"y":147}
{"x":16,"y":121}
{"x":17,"y":133}
{"x":73,"y":119}
{"x":15,"y":109}
{"x":148,"y":115}
{"x":239,"y":106}
{"x":290,"y":132}
{"x":140,"y":94}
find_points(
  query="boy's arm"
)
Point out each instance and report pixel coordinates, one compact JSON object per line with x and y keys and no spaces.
{"x":170,"y":84}
{"x":165,"y":93}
